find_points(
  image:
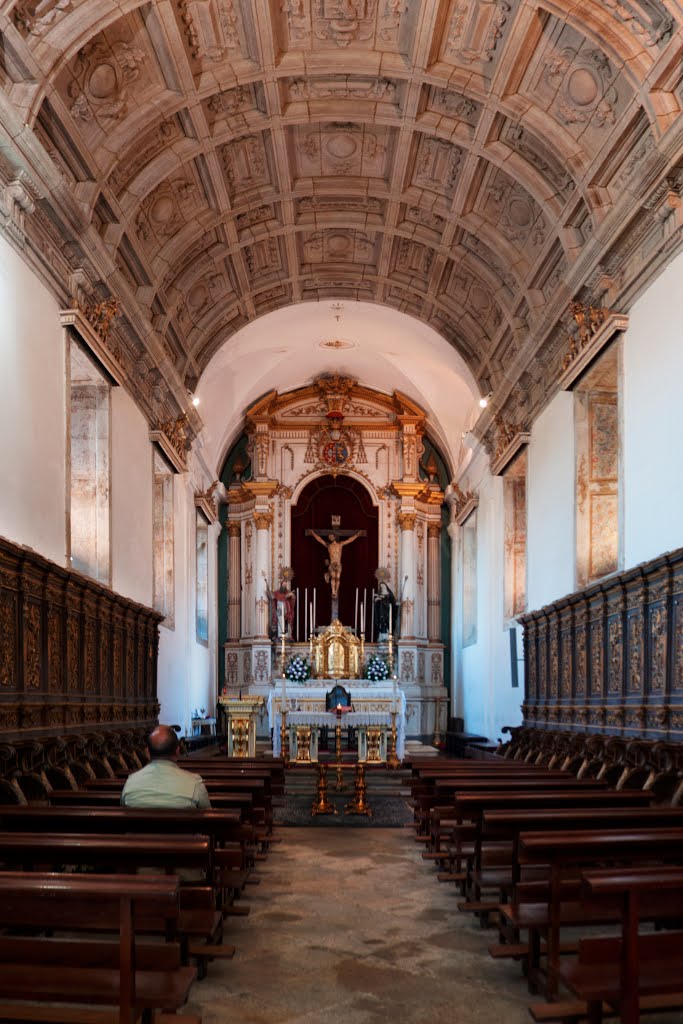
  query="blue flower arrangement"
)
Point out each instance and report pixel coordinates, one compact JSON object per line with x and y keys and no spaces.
{"x":376,"y":669}
{"x":298,"y":669}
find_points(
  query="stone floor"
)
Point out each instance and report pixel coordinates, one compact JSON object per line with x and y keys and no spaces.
{"x":351,"y":925}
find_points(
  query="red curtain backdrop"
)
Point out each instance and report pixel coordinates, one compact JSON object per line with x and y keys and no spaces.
{"x":323,"y":498}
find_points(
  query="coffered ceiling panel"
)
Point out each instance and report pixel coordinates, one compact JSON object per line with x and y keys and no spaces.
{"x":476,"y":163}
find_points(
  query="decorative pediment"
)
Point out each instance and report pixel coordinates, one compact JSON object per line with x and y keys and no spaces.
{"x":509,"y":439}
{"x":464,"y":503}
{"x":92,"y":325}
{"x":172,"y":441}
{"x":331,"y":396}
{"x":205,"y":501}
{"x":592,"y":330}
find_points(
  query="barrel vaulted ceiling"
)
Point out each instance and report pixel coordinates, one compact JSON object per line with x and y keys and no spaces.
{"x":474,"y":163}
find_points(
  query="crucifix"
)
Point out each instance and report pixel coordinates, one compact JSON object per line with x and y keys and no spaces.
{"x":332,"y":541}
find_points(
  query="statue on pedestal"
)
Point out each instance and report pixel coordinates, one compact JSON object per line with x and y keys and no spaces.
{"x":283,"y":602}
{"x":387,"y":609}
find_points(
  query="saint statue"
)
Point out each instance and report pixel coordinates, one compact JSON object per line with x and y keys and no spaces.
{"x":283,"y":601}
{"x":386,"y":612}
{"x":333,"y":563}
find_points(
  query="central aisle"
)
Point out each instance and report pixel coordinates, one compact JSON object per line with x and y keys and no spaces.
{"x":350,"y":925}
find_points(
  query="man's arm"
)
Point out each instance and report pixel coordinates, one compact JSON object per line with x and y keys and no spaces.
{"x":319,"y":539}
{"x":200,"y":797}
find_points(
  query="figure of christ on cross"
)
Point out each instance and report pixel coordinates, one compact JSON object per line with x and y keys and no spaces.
{"x":334,"y":550}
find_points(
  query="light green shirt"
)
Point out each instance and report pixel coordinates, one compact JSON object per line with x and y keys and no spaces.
{"x":163,"y":784}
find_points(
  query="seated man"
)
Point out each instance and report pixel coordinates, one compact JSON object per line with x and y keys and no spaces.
{"x":161,"y":783}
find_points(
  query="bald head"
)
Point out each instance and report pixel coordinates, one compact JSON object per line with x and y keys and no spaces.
{"x":162,"y":742}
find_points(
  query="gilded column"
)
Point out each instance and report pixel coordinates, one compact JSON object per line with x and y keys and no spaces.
{"x":234,"y":580}
{"x":406,"y":583}
{"x":434,"y":581}
{"x":262,"y":521}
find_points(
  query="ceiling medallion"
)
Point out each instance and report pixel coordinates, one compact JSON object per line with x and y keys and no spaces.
{"x":336,"y":343}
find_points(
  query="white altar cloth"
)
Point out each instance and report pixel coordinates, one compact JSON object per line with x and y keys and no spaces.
{"x":368,"y":698}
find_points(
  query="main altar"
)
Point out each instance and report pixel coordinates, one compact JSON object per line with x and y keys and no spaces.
{"x":305,"y":707}
{"x":334,"y":540}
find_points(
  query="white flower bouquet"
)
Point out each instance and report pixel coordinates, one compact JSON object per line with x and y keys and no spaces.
{"x":376,"y":669}
{"x":298,"y":669}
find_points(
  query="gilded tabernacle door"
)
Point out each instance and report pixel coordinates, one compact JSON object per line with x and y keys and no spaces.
{"x":337,"y":653}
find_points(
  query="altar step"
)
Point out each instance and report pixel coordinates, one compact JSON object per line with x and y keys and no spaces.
{"x":380,"y":782}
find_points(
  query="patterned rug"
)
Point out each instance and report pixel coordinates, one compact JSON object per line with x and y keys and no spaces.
{"x":387,"y":812}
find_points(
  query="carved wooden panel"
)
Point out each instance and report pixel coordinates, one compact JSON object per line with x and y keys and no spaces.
{"x":69,"y":650}
{"x":610,"y":657}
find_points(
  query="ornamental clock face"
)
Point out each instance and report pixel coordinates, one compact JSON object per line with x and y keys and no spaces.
{"x":335,"y":453}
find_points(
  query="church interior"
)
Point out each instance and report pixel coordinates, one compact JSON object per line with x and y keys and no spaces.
{"x":340,"y":396}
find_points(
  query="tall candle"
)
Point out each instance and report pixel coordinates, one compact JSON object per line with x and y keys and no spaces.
{"x":305,"y":611}
{"x":362,"y":617}
{"x":297,"y":615}
{"x":310,"y":619}
{"x":390,"y":610}
{"x":355,"y":614}
{"x":372,"y":618}
{"x":365,"y":594}
{"x":315,"y":616}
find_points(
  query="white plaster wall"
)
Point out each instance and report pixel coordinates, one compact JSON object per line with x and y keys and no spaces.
{"x":653,"y":420}
{"x":32,"y":411}
{"x":132,"y":498}
{"x":485,"y":697}
{"x":187,"y":669}
{"x":550,"y":497}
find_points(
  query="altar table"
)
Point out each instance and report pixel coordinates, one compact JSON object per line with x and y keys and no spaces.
{"x":368,"y":699}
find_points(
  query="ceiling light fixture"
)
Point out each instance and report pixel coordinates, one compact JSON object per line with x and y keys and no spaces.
{"x":483,"y":402}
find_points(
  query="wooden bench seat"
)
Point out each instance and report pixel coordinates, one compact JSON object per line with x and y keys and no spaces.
{"x":582,"y":849}
{"x":87,"y":903}
{"x":200,"y":920}
{"x":621,"y":970}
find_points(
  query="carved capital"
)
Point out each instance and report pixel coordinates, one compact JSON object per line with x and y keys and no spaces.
{"x":406,"y":520}
{"x":434,"y":530}
{"x":234,"y":529}
{"x":263,"y":520}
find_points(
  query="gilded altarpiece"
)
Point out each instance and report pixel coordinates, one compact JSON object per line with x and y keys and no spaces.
{"x":73,"y":655}
{"x":610,"y":657}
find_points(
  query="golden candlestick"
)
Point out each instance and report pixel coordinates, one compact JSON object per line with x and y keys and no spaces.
{"x":321,"y":804}
{"x":358,"y":805}
{"x":282,"y":657}
{"x":392,"y":759}
{"x":362,"y":649}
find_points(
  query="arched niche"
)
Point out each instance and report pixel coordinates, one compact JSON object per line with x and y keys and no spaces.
{"x":323,"y":497}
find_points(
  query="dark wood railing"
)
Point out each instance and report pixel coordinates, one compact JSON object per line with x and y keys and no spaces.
{"x":610,"y":658}
{"x":73,"y":655}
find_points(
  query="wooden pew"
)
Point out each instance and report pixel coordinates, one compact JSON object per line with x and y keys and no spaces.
{"x":506,"y":826}
{"x":233,"y":841}
{"x":469,"y":806}
{"x":109,"y":795}
{"x":620,"y":970}
{"x":561,"y":851}
{"x":445,"y":789}
{"x":121,"y":973}
{"x":468,"y":809}
{"x":200,"y":925}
